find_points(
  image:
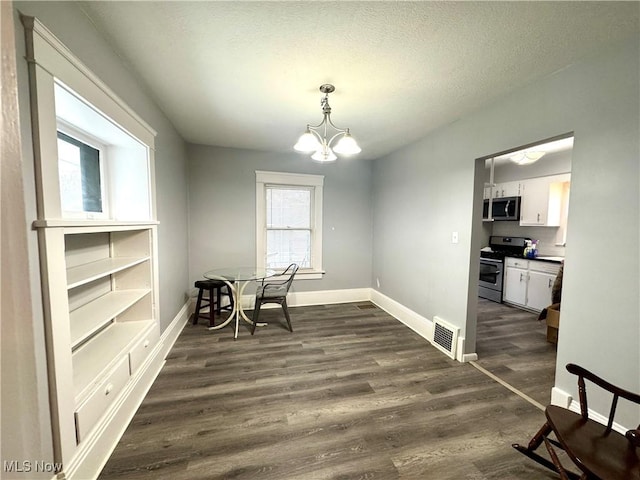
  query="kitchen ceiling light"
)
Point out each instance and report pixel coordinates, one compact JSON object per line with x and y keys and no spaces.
{"x":314,"y":139}
{"x":526,"y":158}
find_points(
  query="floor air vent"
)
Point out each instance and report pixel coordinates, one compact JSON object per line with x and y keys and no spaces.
{"x":445,"y":336}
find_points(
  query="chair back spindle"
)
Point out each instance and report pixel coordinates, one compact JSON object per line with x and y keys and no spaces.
{"x":582,"y":393}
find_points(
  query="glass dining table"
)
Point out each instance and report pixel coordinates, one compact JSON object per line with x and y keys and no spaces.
{"x":237,"y":279}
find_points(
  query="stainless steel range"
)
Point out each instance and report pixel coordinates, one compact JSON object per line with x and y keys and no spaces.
{"x":492,"y":264}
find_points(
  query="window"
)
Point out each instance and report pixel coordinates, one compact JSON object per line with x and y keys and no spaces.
{"x":104,"y":171}
{"x":288,"y":211}
{"x":289,"y":222}
{"x":80,"y":175}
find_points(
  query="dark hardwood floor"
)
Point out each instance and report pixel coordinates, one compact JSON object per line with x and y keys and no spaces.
{"x":512,"y":344}
{"x":350,"y":394}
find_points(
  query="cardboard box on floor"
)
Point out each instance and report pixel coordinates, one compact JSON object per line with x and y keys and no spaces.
{"x":553,"y":322}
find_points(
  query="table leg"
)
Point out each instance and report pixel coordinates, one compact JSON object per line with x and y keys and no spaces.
{"x":240,"y":311}
{"x":233,"y":312}
{"x":237,"y":311}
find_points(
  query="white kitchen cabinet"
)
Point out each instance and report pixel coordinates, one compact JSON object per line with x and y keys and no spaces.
{"x":543,"y":199}
{"x":507,"y":189}
{"x":515,"y":281}
{"x":539,"y":289}
{"x":515,"y":286}
{"x":528,"y":283}
{"x":504,"y":189}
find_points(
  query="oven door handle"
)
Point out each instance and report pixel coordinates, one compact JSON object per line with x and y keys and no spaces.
{"x":491,"y":260}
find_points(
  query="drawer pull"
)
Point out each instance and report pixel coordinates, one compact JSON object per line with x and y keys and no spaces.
{"x":146,"y":343}
{"x":107,"y":390}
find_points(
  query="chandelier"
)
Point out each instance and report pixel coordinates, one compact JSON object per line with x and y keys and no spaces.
{"x":314,"y":139}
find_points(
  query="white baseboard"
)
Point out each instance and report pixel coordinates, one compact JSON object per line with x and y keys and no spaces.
{"x":464,"y":357}
{"x":560,"y":398}
{"x":416,"y":322}
{"x":328,"y":297}
{"x":173,"y":330}
{"x":419,"y":324}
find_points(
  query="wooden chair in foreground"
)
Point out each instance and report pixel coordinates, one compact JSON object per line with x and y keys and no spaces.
{"x":597,"y":450}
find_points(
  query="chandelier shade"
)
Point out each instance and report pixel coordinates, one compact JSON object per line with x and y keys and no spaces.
{"x":347,"y":145}
{"x":324,"y":154}
{"x":315,"y":137}
{"x":307,"y":142}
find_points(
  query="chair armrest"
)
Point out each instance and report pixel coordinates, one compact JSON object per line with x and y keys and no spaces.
{"x":592,"y":377}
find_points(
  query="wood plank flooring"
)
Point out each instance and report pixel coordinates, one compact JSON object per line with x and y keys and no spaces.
{"x":350,"y":394}
{"x":512,"y":344}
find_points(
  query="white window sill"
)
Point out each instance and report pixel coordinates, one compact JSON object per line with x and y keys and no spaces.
{"x":309,"y":275}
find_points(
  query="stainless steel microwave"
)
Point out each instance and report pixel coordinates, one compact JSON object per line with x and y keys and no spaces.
{"x":503,"y":209}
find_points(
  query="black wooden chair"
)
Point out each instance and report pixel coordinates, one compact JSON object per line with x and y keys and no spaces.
{"x":214,"y":290}
{"x":274,"y":290}
{"x":596,"y":449}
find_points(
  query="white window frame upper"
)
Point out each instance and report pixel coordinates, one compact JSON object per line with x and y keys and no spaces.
{"x":313,"y":182}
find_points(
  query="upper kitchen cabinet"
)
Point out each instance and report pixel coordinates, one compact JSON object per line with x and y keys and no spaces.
{"x":501,"y":190}
{"x":507,"y":189}
{"x":544,"y":200}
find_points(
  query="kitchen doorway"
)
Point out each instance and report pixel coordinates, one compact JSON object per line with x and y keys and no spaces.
{"x":511,"y":342}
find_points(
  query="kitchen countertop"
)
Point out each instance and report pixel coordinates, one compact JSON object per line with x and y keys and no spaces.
{"x":542,"y":258}
{"x":545,"y":258}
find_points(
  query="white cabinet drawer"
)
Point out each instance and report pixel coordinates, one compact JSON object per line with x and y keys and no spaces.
{"x":517,"y":262}
{"x":546,"y":267}
{"x":89,"y":412}
{"x":141,"y":349}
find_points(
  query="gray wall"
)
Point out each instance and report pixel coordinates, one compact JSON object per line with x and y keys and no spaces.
{"x":222,"y":220}
{"x":69,"y":24}
{"x":429,"y":189}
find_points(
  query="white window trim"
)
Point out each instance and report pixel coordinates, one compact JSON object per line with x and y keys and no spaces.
{"x":263,"y":179}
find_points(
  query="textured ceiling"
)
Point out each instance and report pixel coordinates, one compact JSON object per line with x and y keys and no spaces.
{"x":246,"y":74}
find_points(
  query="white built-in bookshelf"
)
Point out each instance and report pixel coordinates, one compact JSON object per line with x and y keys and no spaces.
{"x":99,"y":268}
